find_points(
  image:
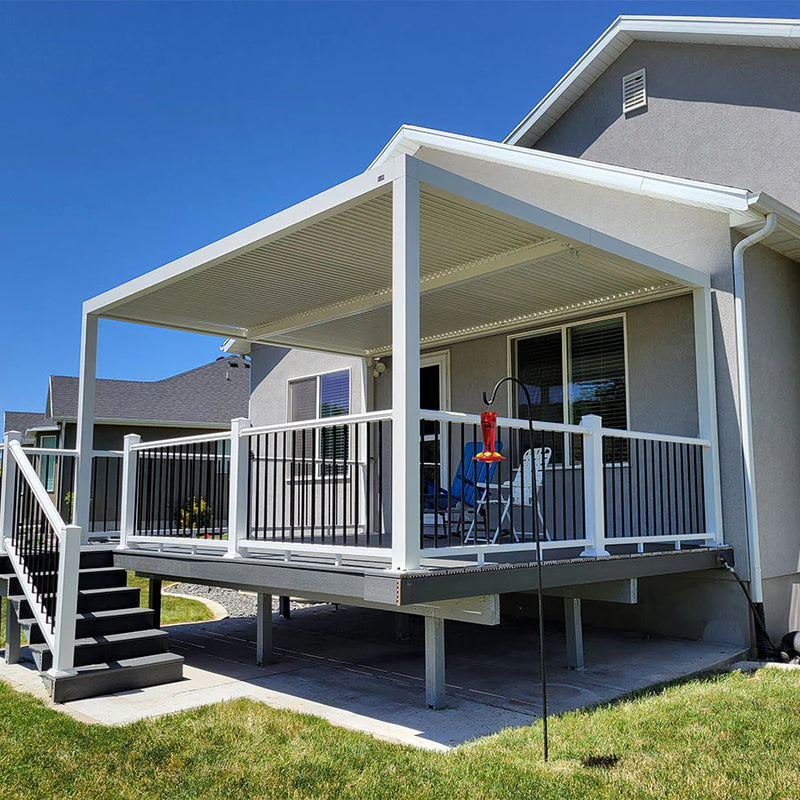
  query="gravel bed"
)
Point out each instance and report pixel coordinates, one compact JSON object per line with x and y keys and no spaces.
{"x":238,"y":604}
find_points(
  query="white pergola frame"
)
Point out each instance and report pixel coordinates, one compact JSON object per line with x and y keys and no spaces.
{"x":403,"y":174}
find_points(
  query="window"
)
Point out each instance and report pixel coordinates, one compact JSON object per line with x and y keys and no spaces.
{"x":47,"y":464}
{"x":634,"y":91}
{"x":574,"y":371}
{"x":320,"y":397}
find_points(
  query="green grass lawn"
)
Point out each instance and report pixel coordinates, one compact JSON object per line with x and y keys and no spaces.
{"x":173,"y":609}
{"x":736,"y":736}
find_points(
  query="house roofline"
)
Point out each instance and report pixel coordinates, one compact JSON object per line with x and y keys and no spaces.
{"x":627,"y":29}
{"x":410,"y":138}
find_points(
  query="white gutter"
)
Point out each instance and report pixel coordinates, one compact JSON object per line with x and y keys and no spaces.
{"x":745,"y":417}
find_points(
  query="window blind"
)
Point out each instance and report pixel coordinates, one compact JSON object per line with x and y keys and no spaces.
{"x":597,"y":372}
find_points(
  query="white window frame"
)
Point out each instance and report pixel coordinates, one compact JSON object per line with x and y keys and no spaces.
{"x":317,"y":376}
{"x":565,"y":365}
{"x":441,"y":358}
{"x":47,"y":464}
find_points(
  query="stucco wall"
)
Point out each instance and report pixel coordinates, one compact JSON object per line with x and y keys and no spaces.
{"x":772,"y":287}
{"x":725,"y":115}
{"x":272,"y":368}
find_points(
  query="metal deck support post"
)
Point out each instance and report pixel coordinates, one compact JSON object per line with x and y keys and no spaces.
{"x":263,"y":629}
{"x":405,"y":368}
{"x":238,"y":522}
{"x":127,"y":524}
{"x":434,"y":662}
{"x":7,"y":488}
{"x":707,"y":410}
{"x":402,"y":627}
{"x":285,"y":607}
{"x":155,"y":600}
{"x":12,"y":634}
{"x":85,"y":433}
{"x":594,"y":486}
{"x":574,"y":626}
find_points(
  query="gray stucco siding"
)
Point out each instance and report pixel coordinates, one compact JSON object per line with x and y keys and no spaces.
{"x":273,"y":367}
{"x":726,"y":115}
{"x":772,"y":289}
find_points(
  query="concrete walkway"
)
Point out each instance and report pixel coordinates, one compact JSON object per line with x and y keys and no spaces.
{"x":345,"y":666}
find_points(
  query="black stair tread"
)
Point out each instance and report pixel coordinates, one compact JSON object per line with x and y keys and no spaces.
{"x":118,"y":676}
{"x":109,"y":614}
{"x":109,"y":638}
{"x":114,"y":612}
{"x":108,"y":590}
{"x":99,"y":570}
{"x":137,"y":661}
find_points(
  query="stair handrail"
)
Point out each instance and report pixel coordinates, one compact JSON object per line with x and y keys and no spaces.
{"x":60,"y":634}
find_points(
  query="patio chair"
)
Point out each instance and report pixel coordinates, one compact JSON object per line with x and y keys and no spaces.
{"x":521,"y":492}
{"x":466,"y":495}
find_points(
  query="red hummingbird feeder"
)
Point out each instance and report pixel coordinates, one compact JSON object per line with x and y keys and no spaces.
{"x":488,"y":434}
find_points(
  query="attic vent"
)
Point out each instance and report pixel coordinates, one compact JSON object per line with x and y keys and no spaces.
{"x":634,"y":91}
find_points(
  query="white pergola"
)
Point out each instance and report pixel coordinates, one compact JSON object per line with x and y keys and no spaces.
{"x":403,"y":256}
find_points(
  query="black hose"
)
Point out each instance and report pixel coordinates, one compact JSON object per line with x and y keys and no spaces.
{"x":764,"y":645}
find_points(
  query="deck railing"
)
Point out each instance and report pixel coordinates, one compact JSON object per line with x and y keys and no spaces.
{"x":325,"y":486}
{"x":538,"y":489}
{"x":44,"y":552}
{"x":319,"y":484}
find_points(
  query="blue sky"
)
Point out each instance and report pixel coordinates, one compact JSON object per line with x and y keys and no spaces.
{"x":136,"y":132}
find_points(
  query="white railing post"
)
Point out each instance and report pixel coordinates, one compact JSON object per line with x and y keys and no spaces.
{"x":237,"y":488}
{"x":128,"y":501}
{"x":7,"y":488}
{"x":69,"y":556}
{"x":593,"y":486}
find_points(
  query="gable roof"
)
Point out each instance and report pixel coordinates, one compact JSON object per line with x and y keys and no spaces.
{"x":745,"y":209}
{"x":628,"y":29}
{"x":23,"y":421}
{"x":210,"y":395}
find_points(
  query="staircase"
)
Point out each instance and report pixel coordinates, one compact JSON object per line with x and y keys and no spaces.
{"x":117,"y":644}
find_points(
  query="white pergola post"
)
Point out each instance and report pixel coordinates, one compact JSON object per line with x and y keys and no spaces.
{"x":85,"y":434}
{"x":405,"y":368}
{"x":707,"y":409}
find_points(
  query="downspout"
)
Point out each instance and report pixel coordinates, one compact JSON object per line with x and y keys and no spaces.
{"x":745,"y":417}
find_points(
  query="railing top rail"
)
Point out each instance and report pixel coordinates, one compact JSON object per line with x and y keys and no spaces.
{"x":327,"y":422}
{"x":39,"y":492}
{"x":655,"y":437}
{"x":219,"y":436}
{"x":505,"y":422}
{"x":49,"y":451}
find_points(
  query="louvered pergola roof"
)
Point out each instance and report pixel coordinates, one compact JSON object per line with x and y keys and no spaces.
{"x":319,"y":274}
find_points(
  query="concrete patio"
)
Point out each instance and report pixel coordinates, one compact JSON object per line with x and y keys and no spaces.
{"x":344,"y":665}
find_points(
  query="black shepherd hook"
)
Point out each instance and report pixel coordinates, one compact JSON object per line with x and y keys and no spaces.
{"x":489,"y":401}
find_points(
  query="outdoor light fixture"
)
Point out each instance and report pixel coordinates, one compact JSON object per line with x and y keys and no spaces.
{"x":488,"y":432}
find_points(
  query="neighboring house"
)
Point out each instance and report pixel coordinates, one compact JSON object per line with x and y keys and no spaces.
{"x":205,"y":398}
{"x":599,"y":256}
{"x":200,"y":400}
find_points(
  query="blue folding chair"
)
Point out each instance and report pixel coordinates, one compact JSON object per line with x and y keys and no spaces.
{"x":467,"y":491}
